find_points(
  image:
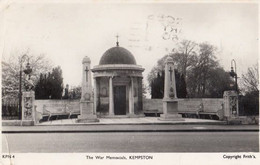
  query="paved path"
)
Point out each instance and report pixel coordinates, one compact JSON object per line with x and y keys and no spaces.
{"x":129,"y":128}
{"x":132,"y":142}
{"x":142,"y":120}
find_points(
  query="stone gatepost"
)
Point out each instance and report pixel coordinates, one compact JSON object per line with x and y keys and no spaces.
{"x":230,"y":105}
{"x":87,"y":113}
{"x":170,"y":101}
{"x":28,"y":114}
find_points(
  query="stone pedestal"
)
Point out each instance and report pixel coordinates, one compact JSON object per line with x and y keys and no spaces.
{"x":230,"y":106}
{"x":170,"y":111}
{"x":28,"y":114}
{"x":170,"y":101}
{"x":87,"y":111}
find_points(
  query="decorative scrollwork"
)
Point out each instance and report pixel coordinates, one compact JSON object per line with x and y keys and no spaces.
{"x":28,"y":107}
{"x":233,"y":105}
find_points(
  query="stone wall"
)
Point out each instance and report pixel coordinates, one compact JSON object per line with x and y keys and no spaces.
{"x":56,"y":106}
{"x":152,"y":104}
{"x":209,"y":104}
{"x":186,"y":105}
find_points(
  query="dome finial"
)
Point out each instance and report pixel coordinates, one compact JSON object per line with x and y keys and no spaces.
{"x":117,"y":43}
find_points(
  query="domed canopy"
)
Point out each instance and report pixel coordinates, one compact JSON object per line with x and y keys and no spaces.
{"x":117,"y":55}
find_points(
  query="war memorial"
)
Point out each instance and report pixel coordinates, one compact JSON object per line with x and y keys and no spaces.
{"x":115,"y":91}
{"x":112,"y":103}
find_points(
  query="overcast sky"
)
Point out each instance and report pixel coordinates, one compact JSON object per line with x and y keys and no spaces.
{"x":66,"y":32}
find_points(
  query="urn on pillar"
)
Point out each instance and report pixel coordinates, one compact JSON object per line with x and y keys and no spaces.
{"x":87,"y":113}
{"x":170,"y":102}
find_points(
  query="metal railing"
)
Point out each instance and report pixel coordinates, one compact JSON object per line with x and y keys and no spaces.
{"x":10,"y":110}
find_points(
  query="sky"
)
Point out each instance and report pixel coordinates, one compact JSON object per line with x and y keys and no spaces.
{"x":67,"y":32}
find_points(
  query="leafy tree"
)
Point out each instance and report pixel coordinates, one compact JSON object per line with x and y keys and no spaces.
{"x":249,"y":104}
{"x":75,"y":92}
{"x":11,"y":73}
{"x":50,"y":86}
{"x":180,"y":85}
{"x":56,"y":80}
{"x":198,"y":72}
{"x":218,"y":82}
{"x":157,"y":86}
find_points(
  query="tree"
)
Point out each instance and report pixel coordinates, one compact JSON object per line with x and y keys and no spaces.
{"x":249,"y":103}
{"x":56,"y":83}
{"x":50,"y":86}
{"x":144,"y":92}
{"x":250,"y":80}
{"x":180,"y":85}
{"x":66,"y":92}
{"x":11,"y":70}
{"x":185,"y":56}
{"x":75,"y":92}
{"x":157,"y":86}
{"x":200,"y":73}
{"x":219,"y":81}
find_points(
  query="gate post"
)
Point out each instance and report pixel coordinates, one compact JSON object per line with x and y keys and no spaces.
{"x":28,"y":118}
{"x":230,"y":105}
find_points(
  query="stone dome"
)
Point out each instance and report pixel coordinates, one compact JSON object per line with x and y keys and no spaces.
{"x":117,"y":55}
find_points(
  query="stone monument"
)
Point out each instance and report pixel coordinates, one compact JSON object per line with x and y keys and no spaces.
{"x":28,"y":97}
{"x":230,"y":105}
{"x":87,"y":113}
{"x":170,"y":101}
{"x":27,"y":108}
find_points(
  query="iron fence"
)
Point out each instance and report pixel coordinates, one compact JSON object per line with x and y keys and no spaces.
{"x":10,"y":110}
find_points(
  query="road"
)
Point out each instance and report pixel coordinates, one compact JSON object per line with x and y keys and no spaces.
{"x":131,"y":142}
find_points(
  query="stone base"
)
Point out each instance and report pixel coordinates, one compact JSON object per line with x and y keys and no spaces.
{"x":87,"y":119}
{"x":27,"y":123}
{"x":234,"y":121}
{"x":135,"y":115}
{"x":171,"y":117}
{"x":125,"y":116}
{"x":170,"y":106}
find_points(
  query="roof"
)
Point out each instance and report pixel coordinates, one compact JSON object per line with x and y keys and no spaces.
{"x":117,"y":55}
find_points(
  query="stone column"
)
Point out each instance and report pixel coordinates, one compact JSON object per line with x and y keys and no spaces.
{"x":230,"y":105}
{"x":166,"y":83}
{"x":28,"y":113}
{"x":86,"y":86}
{"x":86,"y":101}
{"x":95,"y":96}
{"x":169,"y":80}
{"x":170,"y":102}
{"x":140,"y":97}
{"x":111,"y":97}
{"x":131,"y":98}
